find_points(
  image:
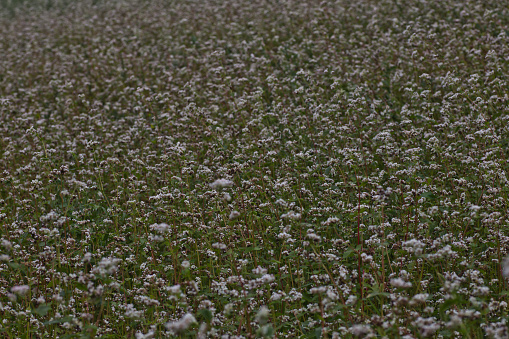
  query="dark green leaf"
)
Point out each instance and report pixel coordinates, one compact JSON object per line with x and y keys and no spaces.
{"x":206,"y":314}
{"x":42,"y":310}
{"x":58,"y":321}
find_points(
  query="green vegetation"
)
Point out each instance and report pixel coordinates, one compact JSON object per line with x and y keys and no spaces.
{"x":242,"y":169}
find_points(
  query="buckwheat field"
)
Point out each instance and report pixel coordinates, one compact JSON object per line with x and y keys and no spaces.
{"x":254,"y":169}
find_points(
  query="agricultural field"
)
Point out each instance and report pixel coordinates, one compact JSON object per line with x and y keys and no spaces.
{"x":254,"y":169}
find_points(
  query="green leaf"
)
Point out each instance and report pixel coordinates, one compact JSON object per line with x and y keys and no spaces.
{"x":58,"y":321}
{"x":63,"y":269}
{"x":315,"y":333}
{"x":81,"y":286}
{"x":374,"y":294}
{"x":42,"y":310}
{"x":17,"y":266}
{"x":448,"y":303}
{"x":13,"y":265}
{"x":206,"y":314}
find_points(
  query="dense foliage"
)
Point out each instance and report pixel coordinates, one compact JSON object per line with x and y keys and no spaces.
{"x":241,"y":169}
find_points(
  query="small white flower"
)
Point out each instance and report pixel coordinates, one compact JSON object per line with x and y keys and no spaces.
{"x":267,"y":278}
{"x":234,"y":215}
{"x":276,"y":295}
{"x":221,"y":183}
{"x":259,"y":270}
{"x":87,"y":257}
{"x":228,"y":308}
{"x":219,"y":246}
{"x":362,"y":331}
{"x":414,"y":246}
{"x":6,"y":244}
{"x":505,"y":267}
{"x":263,"y":315}
{"x":132,"y":312}
{"x":419,"y":299}
{"x":427,"y":326}
{"x":31,"y":131}
{"x":20,"y":290}
{"x":149,"y":335}
{"x":291,"y":215}
{"x":182,"y":324}
{"x":398,"y":282}
{"x":106,"y":266}
{"x":455,"y":322}
{"x":160,"y":228}
{"x":12,"y":297}
{"x":351,"y":300}
{"x":313,"y":236}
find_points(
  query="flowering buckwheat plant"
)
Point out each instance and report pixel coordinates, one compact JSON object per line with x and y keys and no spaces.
{"x":254,"y":168}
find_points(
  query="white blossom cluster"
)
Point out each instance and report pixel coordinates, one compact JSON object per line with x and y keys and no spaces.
{"x":242,"y":169}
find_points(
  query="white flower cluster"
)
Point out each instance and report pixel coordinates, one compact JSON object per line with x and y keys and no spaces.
{"x":107,"y":266}
{"x":179,"y":326}
{"x":221,"y":183}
